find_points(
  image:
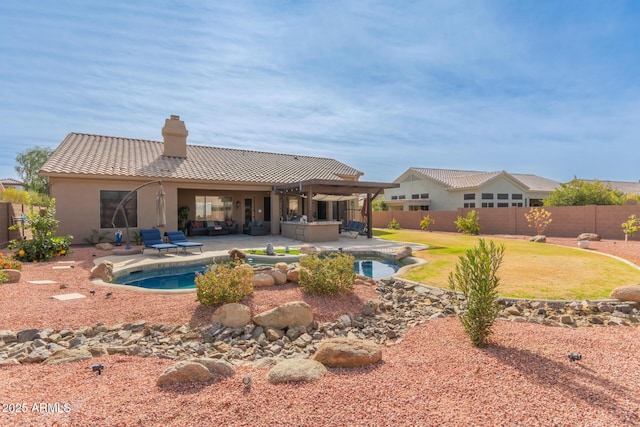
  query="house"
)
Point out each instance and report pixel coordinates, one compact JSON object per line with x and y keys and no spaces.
{"x":447,"y":189}
{"x":11,"y":183}
{"x":90,"y":175}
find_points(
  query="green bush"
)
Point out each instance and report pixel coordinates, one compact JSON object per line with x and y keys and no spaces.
{"x":470,"y":224}
{"x":8,"y":262}
{"x":3,"y":277}
{"x":44,"y":244}
{"x":394,"y":224}
{"x":426,"y":222}
{"x":224,"y":283}
{"x":329,"y":275}
{"x":475,"y":277}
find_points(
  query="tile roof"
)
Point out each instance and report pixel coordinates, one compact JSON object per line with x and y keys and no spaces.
{"x":10,"y":182}
{"x":624,"y":186}
{"x":459,"y":179}
{"x":99,"y":155}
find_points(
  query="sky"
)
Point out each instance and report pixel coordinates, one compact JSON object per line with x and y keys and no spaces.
{"x":546,"y":87}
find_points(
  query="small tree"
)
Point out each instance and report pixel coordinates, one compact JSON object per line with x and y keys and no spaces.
{"x":44,"y":244}
{"x":426,"y":222}
{"x":29,"y":163}
{"x":538,"y":219}
{"x":630,"y":227}
{"x":470,"y":224}
{"x":475,"y":277}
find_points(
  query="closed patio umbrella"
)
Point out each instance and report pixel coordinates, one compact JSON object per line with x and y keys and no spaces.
{"x":161,"y":217}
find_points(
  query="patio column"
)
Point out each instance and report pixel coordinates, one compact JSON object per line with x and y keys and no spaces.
{"x":275,"y":213}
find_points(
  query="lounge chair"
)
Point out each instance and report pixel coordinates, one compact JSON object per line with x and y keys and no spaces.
{"x":354,"y":227}
{"x":152,"y":239}
{"x":178,"y":238}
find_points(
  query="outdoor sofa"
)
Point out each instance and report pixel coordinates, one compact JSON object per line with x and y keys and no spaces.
{"x":211,"y":228}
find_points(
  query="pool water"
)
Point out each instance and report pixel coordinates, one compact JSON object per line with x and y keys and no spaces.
{"x":183,"y":277}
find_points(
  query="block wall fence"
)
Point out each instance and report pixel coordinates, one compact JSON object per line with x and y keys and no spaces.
{"x":567,"y":221}
{"x":8,"y":214}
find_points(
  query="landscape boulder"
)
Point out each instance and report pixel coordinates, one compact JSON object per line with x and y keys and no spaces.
{"x":627,"y":293}
{"x":236,"y":254}
{"x":13,"y":276}
{"x":279,"y":276}
{"x":263,"y":279}
{"x":296,"y":370}
{"x":184,"y":372}
{"x":403,"y":252}
{"x":216,"y":366}
{"x":105,"y":246}
{"x":592,"y":237}
{"x":538,"y":239}
{"x":309,"y":249}
{"x":293,"y":275}
{"x":232,"y":315}
{"x":345,"y":352}
{"x":103,"y":271}
{"x":295,"y":313}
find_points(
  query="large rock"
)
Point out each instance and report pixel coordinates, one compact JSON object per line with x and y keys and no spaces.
{"x":403,"y":252}
{"x":64,"y":356}
{"x":538,"y":239}
{"x":296,"y":313}
{"x":627,"y":293}
{"x":104,"y":246}
{"x":216,"y":366}
{"x":263,"y":280}
{"x":293,"y":275}
{"x":348,"y":352}
{"x":309,"y":249}
{"x":103,"y":271}
{"x":593,"y":237}
{"x":36,"y":356}
{"x":237,"y":254}
{"x":279,"y":277}
{"x":296,"y":370}
{"x":13,"y":276}
{"x":232,"y":315}
{"x":184,"y":372}
{"x":27,"y":335}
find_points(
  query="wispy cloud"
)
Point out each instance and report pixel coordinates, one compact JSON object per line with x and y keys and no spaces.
{"x":546,"y":87}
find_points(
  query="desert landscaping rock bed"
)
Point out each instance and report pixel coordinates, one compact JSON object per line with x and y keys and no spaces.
{"x":430,"y":374}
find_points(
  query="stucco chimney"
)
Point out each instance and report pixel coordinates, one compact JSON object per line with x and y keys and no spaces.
{"x":175,"y":134}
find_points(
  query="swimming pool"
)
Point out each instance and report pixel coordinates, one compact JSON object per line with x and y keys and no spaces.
{"x":183,"y":277}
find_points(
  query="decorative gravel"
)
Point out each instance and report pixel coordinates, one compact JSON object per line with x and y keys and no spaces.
{"x":434,"y":376}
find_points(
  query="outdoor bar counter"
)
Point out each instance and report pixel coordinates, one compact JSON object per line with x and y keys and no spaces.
{"x":318,"y":231}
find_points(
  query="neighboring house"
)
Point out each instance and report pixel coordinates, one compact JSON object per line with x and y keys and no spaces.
{"x":89,"y":175}
{"x":11,"y":183}
{"x":447,"y":190}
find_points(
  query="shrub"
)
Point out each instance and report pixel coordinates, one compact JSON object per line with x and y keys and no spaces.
{"x":394,"y":225}
{"x":44,"y":244}
{"x":3,"y":277}
{"x":630,"y":227}
{"x":329,"y":275}
{"x":538,"y":219}
{"x":426,"y":222}
{"x":7,"y":262}
{"x":470,"y":224}
{"x":224,"y":283}
{"x":475,"y":277}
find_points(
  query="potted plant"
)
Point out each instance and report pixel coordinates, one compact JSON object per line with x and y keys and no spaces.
{"x":183,"y":217}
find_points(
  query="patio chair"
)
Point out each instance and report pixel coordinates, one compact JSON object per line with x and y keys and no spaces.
{"x":152,"y":239}
{"x":178,"y":238}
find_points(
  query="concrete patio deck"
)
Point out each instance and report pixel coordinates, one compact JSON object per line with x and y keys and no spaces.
{"x":216,"y":246}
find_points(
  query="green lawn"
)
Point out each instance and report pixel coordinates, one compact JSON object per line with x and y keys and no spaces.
{"x":528,"y":270}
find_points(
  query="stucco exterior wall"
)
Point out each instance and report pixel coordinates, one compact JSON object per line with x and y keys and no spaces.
{"x":78,"y":205}
{"x":567,"y":221}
